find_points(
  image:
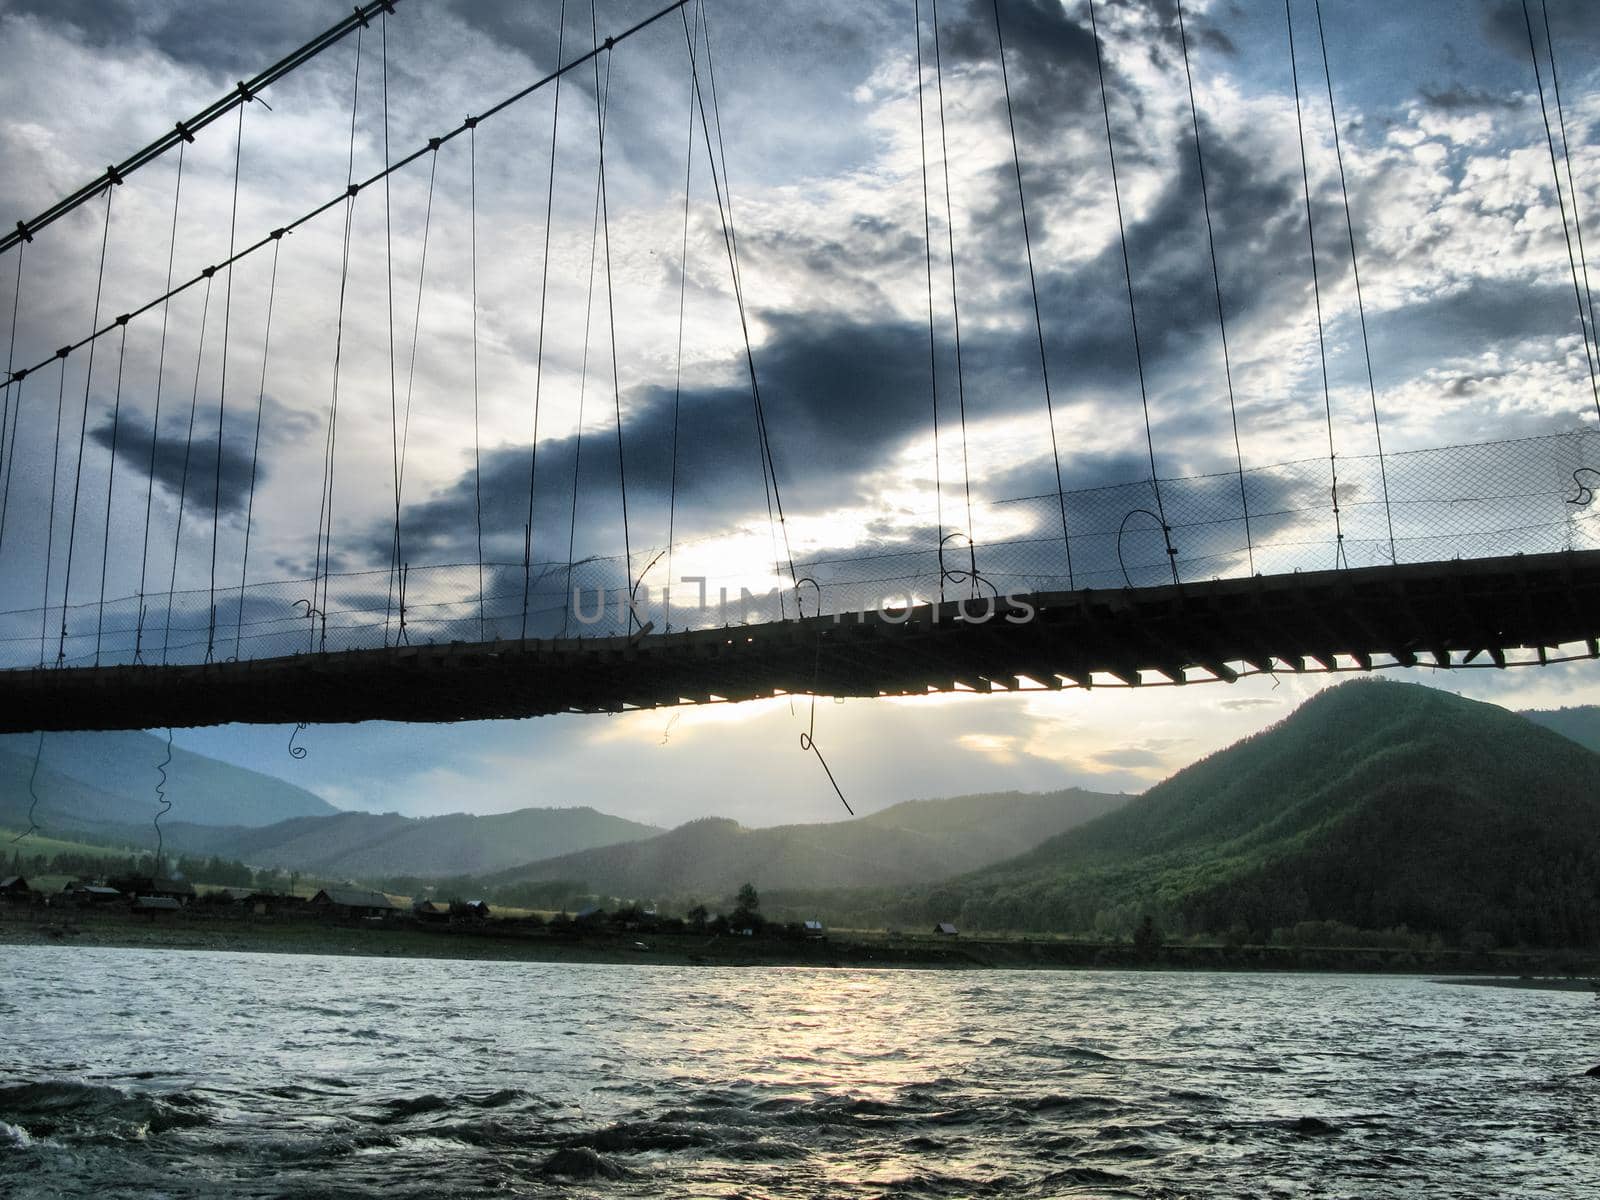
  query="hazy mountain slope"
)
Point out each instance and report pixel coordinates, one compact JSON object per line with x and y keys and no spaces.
{"x":906,"y":844}
{"x":369,"y":845}
{"x":116,"y":774}
{"x":1376,"y":804}
{"x":1581,"y":724}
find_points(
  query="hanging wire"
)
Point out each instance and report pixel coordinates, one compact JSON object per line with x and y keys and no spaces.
{"x":927,"y":255}
{"x":808,"y":738}
{"x":388,"y":276}
{"x":324,"y":566}
{"x":255,"y":445}
{"x":164,"y":805}
{"x":50,"y":526}
{"x":1566,"y":232}
{"x":1355,"y":270}
{"x":1572,"y":182}
{"x":477,"y":450}
{"x":683,"y":293}
{"x":1133,"y":311}
{"x":83,"y":432}
{"x":222,"y":391}
{"x":1033,"y":285}
{"x":6,"y":419}
{"x":111,"y":485}
{"x":955,"y":305}
{"x":1316,"y":290}
{"x":603,"y":95}
{"x":731,"y":244}
{"x":155,"y":420}
{"x":183,"y":482}
{"x":1216,"y":281}
{"x":544,"y":296}
{"x":33,"y":794}
{"x":616,"y":384}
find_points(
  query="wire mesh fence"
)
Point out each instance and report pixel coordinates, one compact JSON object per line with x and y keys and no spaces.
{"x":1527,"y":496}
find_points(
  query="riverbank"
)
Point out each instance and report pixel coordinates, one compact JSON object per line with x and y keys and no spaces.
{"x":513,"y":941}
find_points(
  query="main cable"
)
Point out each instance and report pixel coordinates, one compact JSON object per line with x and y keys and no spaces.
{"x":5,"y":411}
{"x":1133,"y":311}
{"x":927,"y":254}
{"x":1572,"y":182}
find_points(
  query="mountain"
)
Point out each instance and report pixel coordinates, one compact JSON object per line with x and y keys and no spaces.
{"x":1581,"y":724}
{"x":360,"y":845}
{"x":89,"y":781}
{"x":904,"y":844}
{"x":1376,"y":804}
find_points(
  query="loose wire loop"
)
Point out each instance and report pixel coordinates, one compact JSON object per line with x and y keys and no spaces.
{"x":165,"y":805}
{"x":1586,"y":491}
{"x":1166,"y":536}
{"x":808,"y":736}
{"x":970,"y":575}
{"x":33,"y":803}
{"x":297,"y":752}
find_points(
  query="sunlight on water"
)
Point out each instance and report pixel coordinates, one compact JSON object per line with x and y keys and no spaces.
{"x":187,"y":1074}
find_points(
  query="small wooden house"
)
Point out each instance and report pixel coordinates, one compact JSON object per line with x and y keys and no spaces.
{"x":352,"y":902}
{"x":15,"y":889}
{"x":946,"y":929}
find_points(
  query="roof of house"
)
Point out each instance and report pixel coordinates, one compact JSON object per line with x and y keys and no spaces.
{"x":156,"y":904}
{"x":423,"y":905}
{"x":13,"y":881}
{"x":354,"y":898}
{"x":944,"y":927}
{"x":92,"y":889}
{"x":813,"y":924}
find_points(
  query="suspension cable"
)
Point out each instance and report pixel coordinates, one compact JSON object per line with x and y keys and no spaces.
{"x":155,"y":420}
{"x":477,"y":450}
{"x":5,"y":411}
{"x":50,"y":526}
{"x":183,"y":483}
{"x":1340,"y":559}
{"x":955,"y":306}
{"x":111,"y":486}
{"x":602,"y":99}
{"x":1133,"y":311}
{"x":927,"y":254}
{"x":683,"y":292}
{"x":1577,"y":291}
{"x":730,"y":239}
{"x":83,"y":432}
{"x":222,"y":394}
{"x":1572,"y":183}
{"x":388,"y":276}
{"x":255,"y":447}
{"x":1216,"y":281}
{"x":544,"y":296}
{"x":1033,"y":285}
{"x":316,"y":613}
{"x":1355,"y":271}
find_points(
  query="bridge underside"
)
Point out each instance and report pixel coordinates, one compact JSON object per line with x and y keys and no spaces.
{"x":1443,"y":613}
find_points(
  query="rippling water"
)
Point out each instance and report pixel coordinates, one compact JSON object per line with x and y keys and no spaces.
{"x":175,"y":1074}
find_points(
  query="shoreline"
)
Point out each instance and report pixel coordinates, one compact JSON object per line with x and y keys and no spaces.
{"x":507,"y":943}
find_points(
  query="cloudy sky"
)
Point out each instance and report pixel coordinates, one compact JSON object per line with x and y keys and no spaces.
{"x":1473,"y":331}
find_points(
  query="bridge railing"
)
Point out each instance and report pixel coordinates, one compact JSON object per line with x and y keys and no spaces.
{"x":1531,"y":495}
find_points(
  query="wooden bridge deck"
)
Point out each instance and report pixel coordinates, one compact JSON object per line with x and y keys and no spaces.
{"x":1428,"y":612}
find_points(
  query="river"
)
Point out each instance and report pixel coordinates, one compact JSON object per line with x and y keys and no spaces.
{"x":138,"y":1073}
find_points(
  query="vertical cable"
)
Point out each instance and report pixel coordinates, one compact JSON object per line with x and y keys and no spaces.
{"x":183,"y":482}
{"x":544,"y":295}
{"x":1033,"y":284}
{"x":155,"y":419}
{"x":927,"y":255}
{"x":955,"y":306}
{"x":1316,"y":291}
{"x":1133,"y":310}
{"x":255,"y":445}
{"x":50,"y":526}
{"x":388,"y":276}
{"x":12,"y":381}
{"x":1577,"y":291}
{"x":83,"y":431}
{"x":477,"y":450}
{"x":683,"y":291}
{"x":222,"y":390}
{"x":1572,"y":181}
{"x":1216,"y":281}
{"x":111,"y":485}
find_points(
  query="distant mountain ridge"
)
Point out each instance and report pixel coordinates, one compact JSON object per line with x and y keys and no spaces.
{"x":901,"y":845}
{"x":89,"y":781}
{"x":1581,"y":724}
{"x":1375,"y":804}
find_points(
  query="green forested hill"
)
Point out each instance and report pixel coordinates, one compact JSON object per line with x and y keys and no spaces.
{"x":1581,"y":724}
{"x":905,"y":844}
{"x":1376,"y":804}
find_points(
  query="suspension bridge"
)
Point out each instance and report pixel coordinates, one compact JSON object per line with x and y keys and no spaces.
{"x":148,"y":580}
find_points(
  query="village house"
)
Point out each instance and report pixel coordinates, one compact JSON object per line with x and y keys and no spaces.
{"x":15,"y":890}
{"x":352,"y":902}
{"x":946,"y":929}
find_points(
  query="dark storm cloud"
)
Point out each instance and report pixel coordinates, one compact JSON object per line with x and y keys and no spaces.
{"x":1573,"y":29}
{"x":1050,"y":59}
{"x":185,"y":465}
{"x":1464,"y":98}
{"x":1464,"y":322}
